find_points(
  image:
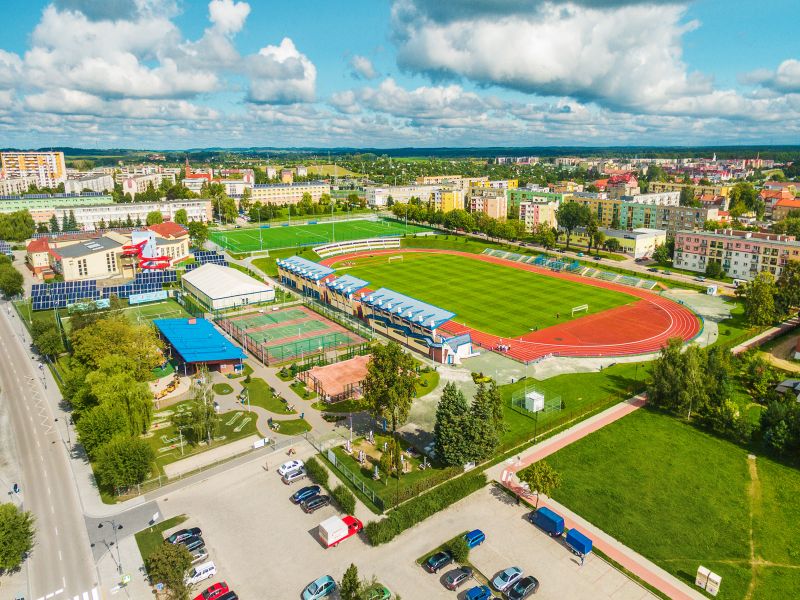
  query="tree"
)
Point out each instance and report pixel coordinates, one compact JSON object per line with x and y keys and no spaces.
{"x":10,"y":280}
{"x":17,"y":533}
{"x":541,"y":478}
{"x":113,"y":384}
{"x":687,"y":196}
{"x":788,"y":288}
{"x":662,"y":254}
{"x":168,"y":564}
{"x":612,"y":245}
{"x":200,"y":418}
{"x":114,"y":335}
{"x":571,"y":215}
{"x":198,"y":233}
{"x":451,"y":414}
{"x":714,"y":270}
{"x":46,"y":337}
{"x":54,"y":228}
{"x":181,"y":218}
{"x":458,"y":549}
{"x":590,"y":231}
{"x":99,"y":425}
{"x":65,"y":222}
{"x":350,"y":586}
{"x":482,"y":432}
{"x":123,"y":462}
{"x":743,"y":194}
{"x":73,"y":222}
{"x":599,"y":239}
{"x":759,"y":299}
{"x":390,"y":383}
{"x":154,"y":217}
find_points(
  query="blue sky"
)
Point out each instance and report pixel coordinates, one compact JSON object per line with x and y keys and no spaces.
{"x":186,"y":73}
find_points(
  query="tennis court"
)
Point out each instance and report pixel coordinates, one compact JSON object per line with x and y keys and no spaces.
{"x":310,"y":234}
{"x":276,"y":337}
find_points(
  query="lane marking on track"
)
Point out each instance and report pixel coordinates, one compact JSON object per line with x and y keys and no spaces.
{"x":59,"y":555}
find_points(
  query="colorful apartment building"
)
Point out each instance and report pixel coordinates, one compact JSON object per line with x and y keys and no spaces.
{"x":742,"y":254}
{"x":489,"y":201}
{"x":447,"y":199}
{"x":288,"y":193}
{"x":699,"y":190}
{"x":619,"y":214}
{"x":517,"y":196}
{"x":43,"y":206}
{"x":537,"y":213}
{"x":48,"y":168}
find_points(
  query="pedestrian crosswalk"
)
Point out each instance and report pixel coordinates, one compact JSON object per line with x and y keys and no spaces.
{"x":93,"y":594}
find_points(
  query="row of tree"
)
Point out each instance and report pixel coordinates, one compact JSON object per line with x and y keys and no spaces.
{"x":468,"y":433}
{"x":10,"y":278}
{"x":767,"y":300}
{"x":16,"y":226}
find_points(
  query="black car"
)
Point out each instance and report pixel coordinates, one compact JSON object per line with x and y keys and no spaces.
{"x":438,"y":561}
{"x":182,"y":534}
{"x":228,"y":596}
{"x":458,"y":577}
{"x":192,"y":543}
{"x":653,"y":270}
{"x":315,"y":502}
{"x":523,"y":588}
{"x":305,"y":493}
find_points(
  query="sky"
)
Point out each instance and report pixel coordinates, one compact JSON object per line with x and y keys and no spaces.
{"x":174,"y":74}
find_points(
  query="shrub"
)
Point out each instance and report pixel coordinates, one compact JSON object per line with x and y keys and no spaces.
{"x":459,"y":549}
{"x":317,"y":472}
{"x":420,"y":508}
{"x":344,"y":498}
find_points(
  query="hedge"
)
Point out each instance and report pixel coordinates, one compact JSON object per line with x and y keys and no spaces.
{"x":344,"y":498}
{"x":420,"y":508}
{"x":317,"y":472}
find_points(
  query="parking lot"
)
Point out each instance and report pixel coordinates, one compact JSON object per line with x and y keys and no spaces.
{"x":263,"y":545}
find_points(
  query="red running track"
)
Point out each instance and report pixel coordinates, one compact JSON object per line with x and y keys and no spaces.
{"x":639,"y":328}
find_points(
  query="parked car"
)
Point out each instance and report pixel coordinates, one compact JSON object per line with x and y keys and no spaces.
{"x":193,"y":543}
{"x":438,"y":561}
{"x":293,"y":476}
{"x":305,"y":493}
{"x":457,"y":578}
{"x":201,"y":572}
{"x":199,"y":555}
{"x":290,"y":466}
{"x":597,"y":257}
{"x":319,"y":588}
{"x":653,"y":270}
{"x":523,"y":588}
{"x":213,"y":592}
{"x":475,"y":538}
{"x":700,"y":278}
{"x":229,"y":596}
{"x":315,"y":503}
{"x":377,"y":592}
{"x":506,"y":578}
{"x":479,"y":592}
{"x":665,"y":272}
{"x":182,"y":534}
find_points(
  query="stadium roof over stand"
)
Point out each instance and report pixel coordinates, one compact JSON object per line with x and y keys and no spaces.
{"x":347,"y":284}
{"x":197,"y":341}
{"x":305,"y":267}
{"x":408,"y":308}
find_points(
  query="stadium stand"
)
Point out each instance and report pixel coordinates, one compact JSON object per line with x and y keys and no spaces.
{"x":336,"y":248}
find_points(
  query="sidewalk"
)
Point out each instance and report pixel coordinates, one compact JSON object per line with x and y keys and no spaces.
{"x":767,"y":335}
{"x":202,"y":459}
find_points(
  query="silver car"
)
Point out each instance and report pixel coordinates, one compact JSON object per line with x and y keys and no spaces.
{"x":293,"y":476}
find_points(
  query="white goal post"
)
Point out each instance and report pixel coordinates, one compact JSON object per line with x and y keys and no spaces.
{"x":582,"y":307}
{"x":396,"y":257}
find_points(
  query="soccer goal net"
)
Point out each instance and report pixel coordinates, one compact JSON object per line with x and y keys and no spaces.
{"x":394,"y":258}
{"x":581,"y":308}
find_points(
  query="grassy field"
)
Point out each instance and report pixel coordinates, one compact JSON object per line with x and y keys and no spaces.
{"x":150,"y":539}
{"x":331,"y":171}
{"x":261,"y":395}
{"x":493,"y":298}
{"x":683,"y":498}
{"x":252,"y":239}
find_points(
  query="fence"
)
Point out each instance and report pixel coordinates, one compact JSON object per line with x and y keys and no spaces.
{"x":338,"y":317}
{"x":356,"y":480}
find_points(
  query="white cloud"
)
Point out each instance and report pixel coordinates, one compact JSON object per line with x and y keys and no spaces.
{"x":228,"y":16}
{"x":281,"y":75}
{"x":362,"y":68}
{"x":785,"y":79}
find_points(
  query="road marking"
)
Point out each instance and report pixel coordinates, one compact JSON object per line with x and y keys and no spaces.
{"x":59,"y":555}
{"x":56,"y":528}
{"x":95,"y":595}
{"x":85,"y":595}
{"x":49,"y":493}
{"x":52,"y":509}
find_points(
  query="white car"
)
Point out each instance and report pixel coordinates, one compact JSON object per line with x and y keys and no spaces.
{"x":505,"y":579}
{"x":201,"y":572}
{"x":290,"y":466}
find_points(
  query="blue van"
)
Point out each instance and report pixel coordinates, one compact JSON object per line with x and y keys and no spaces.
{"x":551,"y":522}
{"x":475,"y":538}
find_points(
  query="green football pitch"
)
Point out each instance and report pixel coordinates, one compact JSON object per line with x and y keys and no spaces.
{"x":249,"y":240}
{"x":493,"y":298}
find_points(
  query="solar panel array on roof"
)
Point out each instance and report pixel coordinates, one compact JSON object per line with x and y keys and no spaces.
{"x":58,"y":295}
{"x":202,"y":257}
{"x":146,"y":281}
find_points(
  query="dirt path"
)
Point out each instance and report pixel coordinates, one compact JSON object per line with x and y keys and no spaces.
{"x":754,"y":496}
{"x":779,"y":355}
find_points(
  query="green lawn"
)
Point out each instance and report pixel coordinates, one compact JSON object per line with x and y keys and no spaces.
{"x":493,"y":298}
{"x":682,"y":498}
{"x":294,"y":426}
{"x":426,"y":383}
{"x":279,"y":236}
{"x":151,"y":538}
{"x":223,"y":389}
{"x":299,"y":388}
{"x":345,"y":406}
{"x":261,"y":395}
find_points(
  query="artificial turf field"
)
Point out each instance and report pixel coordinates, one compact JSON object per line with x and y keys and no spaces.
{"x":252,"y":239}
{"x":684,"y":498}
{"x":493,"y":298}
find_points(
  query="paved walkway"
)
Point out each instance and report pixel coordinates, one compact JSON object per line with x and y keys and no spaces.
{"x":767,"y":335}
{"x":630,"y":560}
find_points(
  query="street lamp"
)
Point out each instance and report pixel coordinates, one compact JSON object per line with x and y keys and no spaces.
{"x":116,"y":528}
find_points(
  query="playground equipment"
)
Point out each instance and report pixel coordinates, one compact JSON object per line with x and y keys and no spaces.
{"x":143,"y":247}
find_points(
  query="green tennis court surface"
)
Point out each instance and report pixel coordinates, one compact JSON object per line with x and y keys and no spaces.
{"x":277,"y":333}
{"x":278,"y":236}
{"x":493,"y":298}
{"x":317,"y":343}
{"x":271,"y":318}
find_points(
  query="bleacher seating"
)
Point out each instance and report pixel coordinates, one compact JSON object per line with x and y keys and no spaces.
{"x":606,"y":276}
{"x":574,"y":266}
{"x":337,"y":248}
{"x":627,"y":280}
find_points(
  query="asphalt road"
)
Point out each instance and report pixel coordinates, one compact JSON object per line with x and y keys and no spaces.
{"x":60,"y":566}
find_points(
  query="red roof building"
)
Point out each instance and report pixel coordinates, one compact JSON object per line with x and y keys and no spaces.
{"x":168,"y":230}
{"x":782,"y":208}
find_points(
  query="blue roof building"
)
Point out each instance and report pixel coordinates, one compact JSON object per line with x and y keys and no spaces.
{"x":408,"y":309}
{"x":305,"y":268}
{"x":198,"y":342}
{"x":347,"y":284}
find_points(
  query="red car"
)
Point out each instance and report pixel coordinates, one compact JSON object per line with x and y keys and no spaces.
{"x":215,"y":591}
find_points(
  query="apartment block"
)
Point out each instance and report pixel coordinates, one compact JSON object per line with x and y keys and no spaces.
{"x":619,"y":214}
{"x":445,"y":199}
{"x":443,"y":179}
{"x":536,"y":213}
{"x":137,"y":184}
{"x":48,"y":168}
{"x":378,"y":196}
{"x":742,"y":254}
{"x":639,"y":243}
{"x":90,"y":218}
{"x":656,"y":199}
{"x":699,"y":190}
{"x":288,"y":193}
{"x":489,"y":201}
{"x":43,"y":206}
{"x":93,"y":182}
{"x":517,"y":196}
{"x":17,"y":186}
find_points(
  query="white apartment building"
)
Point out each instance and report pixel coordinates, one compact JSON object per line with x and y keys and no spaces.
{"x":137,"y":184}
{"x":655,"y":199}
{"x":378,"y":196}
{"x":301,"y":171}
{"x":17,"y":186}
{"x":49,"y":168}
{"x":89,"y":217}
{"x":95,"y":182}
{"x":289,"y":193}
